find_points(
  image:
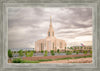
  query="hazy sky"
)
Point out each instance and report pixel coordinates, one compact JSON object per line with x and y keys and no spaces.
{"x":27,"y":24}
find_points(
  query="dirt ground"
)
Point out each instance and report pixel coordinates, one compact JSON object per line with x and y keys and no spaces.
{"x":81,"y":60}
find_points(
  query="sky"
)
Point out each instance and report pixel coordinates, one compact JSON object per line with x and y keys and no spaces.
{"x":29,"y":24}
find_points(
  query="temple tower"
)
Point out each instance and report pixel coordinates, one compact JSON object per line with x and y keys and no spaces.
{"x":51,"y":30}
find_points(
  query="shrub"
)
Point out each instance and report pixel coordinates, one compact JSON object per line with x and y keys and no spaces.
{"x":81,"y":47}
{"x":74,"y":51}
{"x":77,"y":52}
{"x":52,"y":52}
{"x":45,"y":53}
{"x":18,"y":60}
{"x":14,"y":51}
{"x":29,"y":54}
{"x":68,"y":52}
{"x":34,"y":51}
{"x":20,"y":53}
{"x":57,"y":50}
{"x":10,"y":54}
{"x":85,"y":52}
{"x":42,"y":51}
{"x":91,"y":52}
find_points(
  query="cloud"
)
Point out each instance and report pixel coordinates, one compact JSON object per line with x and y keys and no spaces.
{"x":27,"y":25}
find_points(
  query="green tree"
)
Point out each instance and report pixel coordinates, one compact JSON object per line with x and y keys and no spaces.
{"x":45,"y":53}
{"x":81,"y":47}
{"x":10,"y":53}
{"x":71,"y":48}
{"x":29,"y":54}
{"x":42,"y":51}
{"x":77,"y":52}
{"x":34,"y":51}
{"x":90,"y":51}
{"x":65,"y":49}
{"x":57,"y":50}
{"x":14,"y":51}
{"x":68,"y":52}
{"x":85,"y":52}
{"x":52,"y":52}
{"x":20,"y":53}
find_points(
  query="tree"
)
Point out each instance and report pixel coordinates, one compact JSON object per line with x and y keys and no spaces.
{"x":45,"y":53}
{"x":71,"y":48}
{"x":52,"y":52}
{"x":90,"y":51}
{"x":10,"y":53}
{"x":29,"y":54}
{"x":34,"y":51}
{"x":68,"y":52}
{"x":42,"y":51}
{"x":77,"y":52}
{"x":85,"y":52}
{"x":20,"y":53}
{"x":57,"y":50}
{"x":65,"y":49}
{"x":14,"y":51}
{"x":81,"y":47}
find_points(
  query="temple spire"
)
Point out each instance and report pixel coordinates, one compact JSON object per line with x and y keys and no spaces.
{"x":51,"y":31}
{"x":50,"y":21}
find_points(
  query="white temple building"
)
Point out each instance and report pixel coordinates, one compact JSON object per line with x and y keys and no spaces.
{"x":50,"y":42}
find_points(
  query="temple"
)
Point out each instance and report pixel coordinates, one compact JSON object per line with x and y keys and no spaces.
{"x":50,"y":42}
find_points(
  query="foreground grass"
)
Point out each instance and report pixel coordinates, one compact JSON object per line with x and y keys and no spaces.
{"x":42,"y":60}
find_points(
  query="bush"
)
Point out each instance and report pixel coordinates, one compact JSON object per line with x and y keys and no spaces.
{"x":57,"y":50}
{"x":85,"y":52}
{"x":29,"y":54}
{"x":91,"y":52}
{"x":34,"y":51}
{"x":68,"y":52}
{"x":14,"y":51}
{"x":45,"y":53}
{"x":42,"y":51}
{"x":52,"y":52}
{"x":74,"y":51}
{"x":18,"y":60}
{"x":77,"y":52}
{"x":20,"y":53}
{"x":10,"y":54}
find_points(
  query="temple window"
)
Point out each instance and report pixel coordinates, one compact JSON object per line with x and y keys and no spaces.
{"x":49,"y":33}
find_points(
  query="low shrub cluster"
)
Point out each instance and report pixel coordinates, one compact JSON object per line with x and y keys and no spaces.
{"x":58,"y":51}
{"x":18,"y":60}
{"x":29,"y":54}
{"x":85,"y":52}
{"x":52,"y":52}
{"x":42,"y":51}
{"x":68,"y":52}
{"x":77,"y":52}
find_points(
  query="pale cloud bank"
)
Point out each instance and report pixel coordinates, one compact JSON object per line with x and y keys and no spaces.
{"x":27,"y":24}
